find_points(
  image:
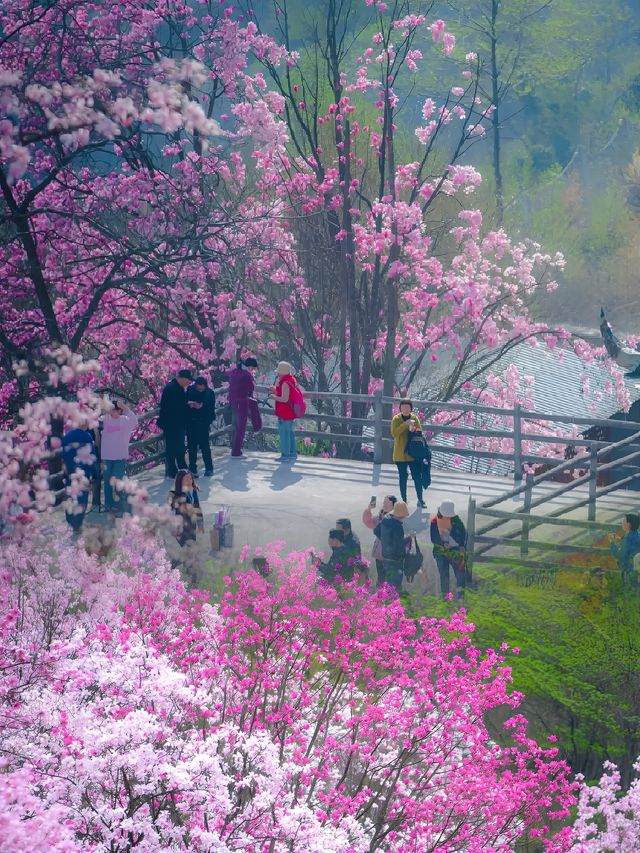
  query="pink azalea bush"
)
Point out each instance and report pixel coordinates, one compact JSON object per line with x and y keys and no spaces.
{"x":608,"y":818}
{"x":137,"y":715}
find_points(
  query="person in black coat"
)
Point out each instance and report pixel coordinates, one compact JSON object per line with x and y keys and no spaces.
{"x":201,"y":410}
{"x":340,"y":564}
{"x":351,"y":541}
{"x":390,"y":532}
{"x":173,"y":421}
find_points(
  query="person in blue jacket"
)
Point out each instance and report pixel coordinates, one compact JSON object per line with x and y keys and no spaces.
{"x":78,"y":454}
{"x":625,"y":549}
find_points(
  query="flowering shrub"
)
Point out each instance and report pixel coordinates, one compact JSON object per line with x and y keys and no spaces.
{"x":137,"y":715}
{"x":607,"y":819}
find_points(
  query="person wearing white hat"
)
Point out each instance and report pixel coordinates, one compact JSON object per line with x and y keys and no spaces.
{"x":449,"y":539}
{"x":390,"y":532}
{"x":284,"y":393}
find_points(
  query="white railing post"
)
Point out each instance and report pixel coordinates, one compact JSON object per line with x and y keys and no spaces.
{"x":471,"y":535}
{"x":526,"y":508}
{"x":377,"y":427}
{"x":593,"y":482}
{"x":517,"y":444}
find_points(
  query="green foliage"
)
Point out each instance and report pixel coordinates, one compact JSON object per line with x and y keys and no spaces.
{"x":311,"y":447}
{"x":579,"y":645}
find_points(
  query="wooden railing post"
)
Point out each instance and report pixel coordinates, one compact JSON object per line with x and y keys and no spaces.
{"x":517,"y":443}
{"x":471,"y":535}
{"x":526,"y":508}
{"x":377,"y":427}
{"x":593,"y":482}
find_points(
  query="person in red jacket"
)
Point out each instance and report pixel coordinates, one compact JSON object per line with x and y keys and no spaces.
{"x":242,"y":387}
{"x":282,"y":393}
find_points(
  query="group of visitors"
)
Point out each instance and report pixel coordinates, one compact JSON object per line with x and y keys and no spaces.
{"x":89,"y":453}
{"x":391,"y":545}
{"x":187,"y":410}
{"x":391,"y":552}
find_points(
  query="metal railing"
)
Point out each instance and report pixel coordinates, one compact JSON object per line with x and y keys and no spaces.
{"x":350,"y":429}
{"x":594,"y":467}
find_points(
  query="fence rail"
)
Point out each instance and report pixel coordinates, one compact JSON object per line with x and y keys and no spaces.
{"x":519,"y":538}
{"x":504,"y":425}
{"x":374,"y":430}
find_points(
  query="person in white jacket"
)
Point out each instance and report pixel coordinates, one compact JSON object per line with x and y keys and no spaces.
{"x":117,"y":427}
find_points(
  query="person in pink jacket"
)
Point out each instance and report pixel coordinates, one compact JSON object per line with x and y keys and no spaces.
{"x":371,"y":520}
{"x":117,"y":427}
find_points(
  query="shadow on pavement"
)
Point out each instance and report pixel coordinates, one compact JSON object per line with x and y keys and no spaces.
{"x":236,"y":474}
{"x":417,"y":521}
{"x":284,"y":476}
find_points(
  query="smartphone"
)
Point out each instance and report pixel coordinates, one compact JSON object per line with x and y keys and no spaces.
{"x":373,"y":500}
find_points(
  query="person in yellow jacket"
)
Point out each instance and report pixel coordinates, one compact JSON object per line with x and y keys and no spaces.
{"x":403,"y":425}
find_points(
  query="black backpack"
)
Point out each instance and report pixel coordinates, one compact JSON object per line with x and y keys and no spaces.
{"x":412,"y":562}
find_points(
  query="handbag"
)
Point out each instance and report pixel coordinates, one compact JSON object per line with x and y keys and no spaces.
{"x":412,"y":562}
{"x":417,"y":447}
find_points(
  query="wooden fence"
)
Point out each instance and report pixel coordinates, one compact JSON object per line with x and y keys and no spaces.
{"x":373,"y":431}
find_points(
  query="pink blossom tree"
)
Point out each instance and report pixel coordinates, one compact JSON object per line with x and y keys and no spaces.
{"x":292,"y":716}
{"x":404,"y":285}
{"x":126,"y":231}
{"x":164,"y":202}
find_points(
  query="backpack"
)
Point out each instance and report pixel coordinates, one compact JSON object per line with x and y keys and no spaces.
{"x":412,"y":562}
{"x":417,"y":447}
{"x":297,"y":401}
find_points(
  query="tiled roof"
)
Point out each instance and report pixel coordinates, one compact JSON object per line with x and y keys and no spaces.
{"x":563,"y":384}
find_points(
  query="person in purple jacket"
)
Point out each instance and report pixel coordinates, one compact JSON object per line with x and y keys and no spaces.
{"x":242,"y":387}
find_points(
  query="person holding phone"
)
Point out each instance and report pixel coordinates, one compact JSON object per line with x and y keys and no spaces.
{"x":403,"y":425}
{"x":201,"y":411}
{"x":370,"y":519}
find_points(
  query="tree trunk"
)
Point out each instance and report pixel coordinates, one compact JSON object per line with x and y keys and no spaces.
{"x":495,"y":116}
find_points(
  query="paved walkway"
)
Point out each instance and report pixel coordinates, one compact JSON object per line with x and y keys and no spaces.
{"x":299,"y":503}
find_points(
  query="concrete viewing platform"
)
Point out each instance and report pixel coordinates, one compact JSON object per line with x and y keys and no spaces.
{"x":299,"y":502}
